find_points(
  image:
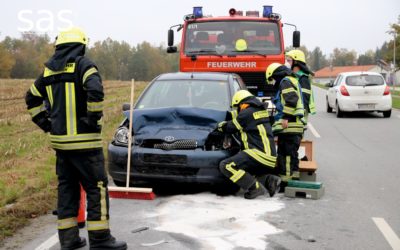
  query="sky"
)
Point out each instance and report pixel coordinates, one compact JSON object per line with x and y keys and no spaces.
{"x":354,"y":25}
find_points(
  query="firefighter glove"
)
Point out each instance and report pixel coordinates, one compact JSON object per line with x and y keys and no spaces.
{"x":221,"y":126}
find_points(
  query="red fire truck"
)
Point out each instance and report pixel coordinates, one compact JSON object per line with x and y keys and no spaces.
{"x":210,"y":44}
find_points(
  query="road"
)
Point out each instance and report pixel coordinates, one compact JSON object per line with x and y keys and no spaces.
{"x":358,"y":164}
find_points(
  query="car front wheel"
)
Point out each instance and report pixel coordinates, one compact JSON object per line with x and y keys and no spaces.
{"x":328,"y":108}
{"x":387,"y":114}
{"x":339,"y":113}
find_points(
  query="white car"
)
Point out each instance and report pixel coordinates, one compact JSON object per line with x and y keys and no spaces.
{"x":359,"y":91}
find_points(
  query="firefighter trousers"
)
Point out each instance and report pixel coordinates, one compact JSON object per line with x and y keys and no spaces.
{"x":288,"y":156}
{"x":243,"y":169}
{"x":87,"y":168}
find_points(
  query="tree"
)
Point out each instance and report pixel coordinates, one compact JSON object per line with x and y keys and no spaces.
{"x":7,"y":61}
{"x":368,"y":58}
{"x":317,"y":60}
{"x":395,"y":31}
{"x":343,"y":57}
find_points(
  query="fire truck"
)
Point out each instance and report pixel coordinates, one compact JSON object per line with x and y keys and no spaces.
{"x":210,"y":44}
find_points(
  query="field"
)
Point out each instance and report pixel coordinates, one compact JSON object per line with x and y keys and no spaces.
{"x":28,"y":183}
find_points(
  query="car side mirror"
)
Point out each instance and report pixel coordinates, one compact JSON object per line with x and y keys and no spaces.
{"x":126,"y":107}
{"x":330,"y":84}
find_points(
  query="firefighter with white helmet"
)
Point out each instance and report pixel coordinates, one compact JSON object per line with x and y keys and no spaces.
{"x":258,"y":155}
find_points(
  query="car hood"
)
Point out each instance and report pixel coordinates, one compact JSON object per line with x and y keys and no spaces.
{"x":172,"y":124}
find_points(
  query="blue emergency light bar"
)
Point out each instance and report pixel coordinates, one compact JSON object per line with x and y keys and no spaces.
{"x":267,"y":10}
{"x":198,"y":12}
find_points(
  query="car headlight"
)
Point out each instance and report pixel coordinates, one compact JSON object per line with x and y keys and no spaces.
{"x":121,"y":136}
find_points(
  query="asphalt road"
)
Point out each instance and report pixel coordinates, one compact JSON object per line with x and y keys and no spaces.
{"x":358,"y":164}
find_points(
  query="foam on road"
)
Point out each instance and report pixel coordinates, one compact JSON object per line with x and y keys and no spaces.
{"x":219,"y":222}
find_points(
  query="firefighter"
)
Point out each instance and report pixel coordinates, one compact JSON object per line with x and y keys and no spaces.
{"x":258,"y":155}
{"x":72,"y":85}
{"x":289,"y":123}
{"x":297,"y":61}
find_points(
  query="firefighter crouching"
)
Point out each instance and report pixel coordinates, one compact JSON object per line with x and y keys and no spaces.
{"x":71,"y":85}
{"x":258,"y":155}
{"x":297,"y":61}
{"x":289,"y":122}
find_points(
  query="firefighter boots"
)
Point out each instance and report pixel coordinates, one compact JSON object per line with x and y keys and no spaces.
{"x":69,"y":239}
{"x":102,"y":239}
{"x":255,"y":190}
{"x":272,"y":184}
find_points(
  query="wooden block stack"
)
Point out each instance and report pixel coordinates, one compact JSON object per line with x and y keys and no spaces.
{"x":307,"y":186}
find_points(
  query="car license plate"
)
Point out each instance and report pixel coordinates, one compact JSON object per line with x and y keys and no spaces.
{"x":366,"y":106}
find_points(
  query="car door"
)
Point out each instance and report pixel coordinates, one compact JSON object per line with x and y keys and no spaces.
{"x":333,"y":90}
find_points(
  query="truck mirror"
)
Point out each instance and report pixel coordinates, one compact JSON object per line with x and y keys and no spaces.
{"x":170,"y":37}
{"x":172,"y":49}
{"x":296,"y":39}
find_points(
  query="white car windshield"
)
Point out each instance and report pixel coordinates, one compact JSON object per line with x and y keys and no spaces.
{"x":364,"y":80}
{"x":186,"y":93}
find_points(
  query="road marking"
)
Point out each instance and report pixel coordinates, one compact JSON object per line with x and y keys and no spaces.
{"x":387,"y":231}
{"x":48,"y":243}
{"x":313,"y":130}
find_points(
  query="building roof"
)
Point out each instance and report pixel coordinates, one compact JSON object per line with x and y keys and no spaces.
{"x":327,"y":72}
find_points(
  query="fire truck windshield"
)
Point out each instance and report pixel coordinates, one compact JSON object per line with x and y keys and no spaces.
{"x":221,"y":38}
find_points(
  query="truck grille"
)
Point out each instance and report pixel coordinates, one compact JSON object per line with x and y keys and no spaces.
{"x":256,"y":83}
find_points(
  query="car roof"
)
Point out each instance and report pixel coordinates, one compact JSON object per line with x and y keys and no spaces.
{"x":355,"y":73}
{"x":195,"y":75}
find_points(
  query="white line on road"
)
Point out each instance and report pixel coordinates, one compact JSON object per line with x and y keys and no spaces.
{"x":313,"y":130}
{"x":387,"y":231}
{"x":48,"y":243}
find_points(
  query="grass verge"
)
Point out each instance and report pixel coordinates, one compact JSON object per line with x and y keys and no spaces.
{"x":28,"y":184}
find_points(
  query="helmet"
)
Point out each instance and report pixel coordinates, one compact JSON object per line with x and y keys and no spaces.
{"x":240,"y":96}
{"x":271,"y":69}
{"x":297,"y":55}
{"x":72,"y":35}
{"x":241,"y":45}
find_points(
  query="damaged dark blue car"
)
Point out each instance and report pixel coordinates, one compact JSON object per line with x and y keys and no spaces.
{"x":173,"y":130}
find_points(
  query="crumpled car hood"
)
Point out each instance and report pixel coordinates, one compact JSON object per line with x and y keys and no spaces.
{"x":179,"y":123}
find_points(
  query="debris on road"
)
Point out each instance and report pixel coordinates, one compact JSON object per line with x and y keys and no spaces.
{"x":140,"y":229}
{"x":153,"y":243}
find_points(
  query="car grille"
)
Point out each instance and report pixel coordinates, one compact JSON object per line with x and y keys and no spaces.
{"x":165,"y":159}
{"x":180,"y":144}
{"x":256,"y":82}
{"x":167,"y":170}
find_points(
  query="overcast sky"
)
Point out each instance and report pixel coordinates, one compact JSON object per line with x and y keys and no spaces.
{"x":355,"y":25}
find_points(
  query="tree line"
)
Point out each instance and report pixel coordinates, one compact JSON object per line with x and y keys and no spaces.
{"x":24,"y":57}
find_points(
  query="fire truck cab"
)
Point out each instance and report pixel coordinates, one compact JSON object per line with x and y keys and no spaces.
{"x":242,"y":44}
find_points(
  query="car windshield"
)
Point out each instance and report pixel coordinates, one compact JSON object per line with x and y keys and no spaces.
{"x":220,"y":37}
{"x":364,"y":80}
{"x":186,"y":93}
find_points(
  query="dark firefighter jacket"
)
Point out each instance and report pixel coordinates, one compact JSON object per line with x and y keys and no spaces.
{"x":308,"y":97}
{"x":289,"y":106}
{"x":255,"y":131}
{"x":69,"y":104}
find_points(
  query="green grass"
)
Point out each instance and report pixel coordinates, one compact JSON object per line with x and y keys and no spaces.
{"x":323,"y":86}
{"x":396,"y":102}
{"x":27,"y":163}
